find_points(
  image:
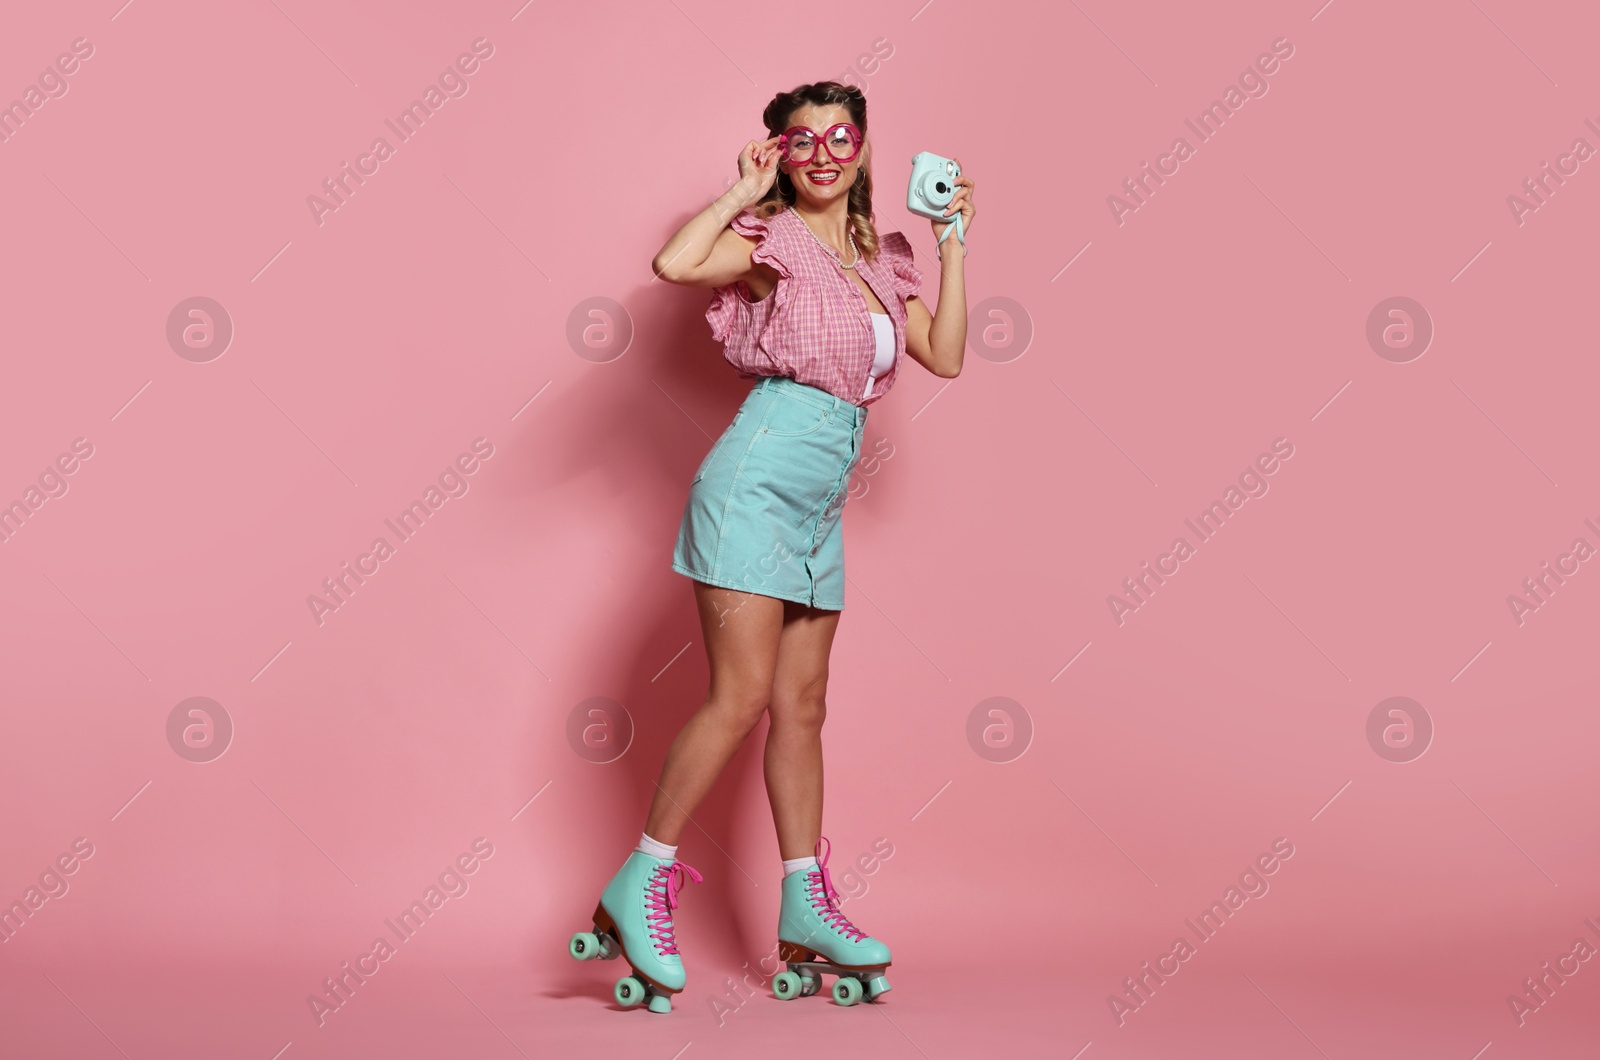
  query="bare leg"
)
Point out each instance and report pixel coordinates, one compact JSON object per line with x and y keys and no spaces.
{"x":794,"y":737}
{"x":741,"y":634}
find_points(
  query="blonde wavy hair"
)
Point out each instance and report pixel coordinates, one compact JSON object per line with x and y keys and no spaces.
{"x":781,"y":195}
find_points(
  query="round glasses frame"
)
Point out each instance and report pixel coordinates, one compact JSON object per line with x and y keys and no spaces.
{"x":783,"y":143}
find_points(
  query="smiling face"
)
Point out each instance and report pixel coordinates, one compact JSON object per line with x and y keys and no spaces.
{"x":821,"y":180}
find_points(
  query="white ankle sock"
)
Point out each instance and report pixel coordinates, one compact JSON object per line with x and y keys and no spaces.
{"x":794,"y":865}
{"x":655,"y":848}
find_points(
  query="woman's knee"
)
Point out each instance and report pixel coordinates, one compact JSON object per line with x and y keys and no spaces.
{"x":805,"y":708}
{"x":741,"y":709}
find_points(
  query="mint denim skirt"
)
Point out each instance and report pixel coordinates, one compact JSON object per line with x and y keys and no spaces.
{"x":764,"y":509}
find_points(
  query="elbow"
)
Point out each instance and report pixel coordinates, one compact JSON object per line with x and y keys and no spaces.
{"x":670,"y":268}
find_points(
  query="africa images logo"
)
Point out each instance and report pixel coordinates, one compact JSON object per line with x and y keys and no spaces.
{"x":452,"y":84}
{"x":1252,"y":484}
{"x":452,"y":482}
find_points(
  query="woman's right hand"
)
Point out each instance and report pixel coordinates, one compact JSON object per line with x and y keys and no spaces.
{"x":758,"y":166}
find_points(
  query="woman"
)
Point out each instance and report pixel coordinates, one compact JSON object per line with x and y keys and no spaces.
{"x":813,"y":304}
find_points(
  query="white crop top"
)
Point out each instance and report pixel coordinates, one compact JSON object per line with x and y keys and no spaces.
{"x":883,"y":328}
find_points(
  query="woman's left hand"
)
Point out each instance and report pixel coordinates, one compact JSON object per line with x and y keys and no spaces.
{"x":962,"y":201}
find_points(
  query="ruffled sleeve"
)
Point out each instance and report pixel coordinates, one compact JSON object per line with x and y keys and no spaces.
{"x":731,"y":314}
{"x":903,"y":272}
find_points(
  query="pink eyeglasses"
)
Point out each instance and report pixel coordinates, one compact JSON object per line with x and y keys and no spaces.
{"x":798,"y":145}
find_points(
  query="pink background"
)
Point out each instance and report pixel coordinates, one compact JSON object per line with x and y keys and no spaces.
{"x":433,"y":309}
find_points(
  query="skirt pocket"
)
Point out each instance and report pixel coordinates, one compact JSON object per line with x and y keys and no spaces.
{"x":793,"y":418}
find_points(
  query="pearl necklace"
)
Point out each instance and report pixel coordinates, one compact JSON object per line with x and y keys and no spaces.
{"x":834,"y":254}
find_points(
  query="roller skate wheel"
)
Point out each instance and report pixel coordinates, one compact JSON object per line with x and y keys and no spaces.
{"x":584,"y":946}
{"x":660,"y":1003}
{"x":847,"y":991}
{"x":628,"y":991}
{"x":877,"y":986}
{"x":786,"y":985}
{"x":810,"y":984}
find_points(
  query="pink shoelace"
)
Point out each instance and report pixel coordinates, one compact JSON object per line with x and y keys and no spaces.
{"x":825,"y":900}
{"x":661,"y":898}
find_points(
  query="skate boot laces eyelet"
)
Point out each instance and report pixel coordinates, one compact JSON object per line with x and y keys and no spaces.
{"x":825,"y":900}
{"x":661,"y":898}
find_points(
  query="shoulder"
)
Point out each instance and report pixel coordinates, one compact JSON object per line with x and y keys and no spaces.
{"x":895,"y":245}
{"x":894,"y":250}
{"x":774,"y":244}
{"x":747,"y":223}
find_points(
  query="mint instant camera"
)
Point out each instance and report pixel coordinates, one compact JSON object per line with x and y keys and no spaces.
{"x":932,"y":187}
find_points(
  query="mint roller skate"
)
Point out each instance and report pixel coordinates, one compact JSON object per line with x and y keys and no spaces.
{"x":814,"y":937}
{"x":634,"y":919}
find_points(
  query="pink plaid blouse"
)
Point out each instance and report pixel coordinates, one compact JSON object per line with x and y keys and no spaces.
{"x":815,"y":325}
